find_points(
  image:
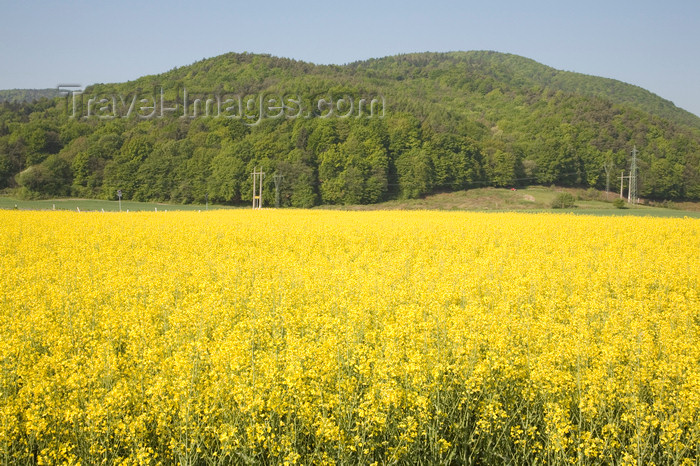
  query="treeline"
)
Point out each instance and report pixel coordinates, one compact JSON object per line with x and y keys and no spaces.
{"x":450,"y":122}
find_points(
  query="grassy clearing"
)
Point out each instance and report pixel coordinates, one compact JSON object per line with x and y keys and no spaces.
{"x":532,"y":199}
{"x":98,"y":205}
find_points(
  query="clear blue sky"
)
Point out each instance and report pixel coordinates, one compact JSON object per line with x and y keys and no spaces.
{"x":653,"y":44}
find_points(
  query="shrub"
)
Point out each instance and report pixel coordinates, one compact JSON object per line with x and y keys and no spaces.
{"x":563,"y":201}
{"x":591,"y":194}
{"x":620,"y":203}
{"x":669,"y":205}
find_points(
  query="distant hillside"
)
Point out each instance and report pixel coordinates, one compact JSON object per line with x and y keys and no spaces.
{"x":26,"y":95}
{"x":397,"y":127}
{"x":519,"y":72}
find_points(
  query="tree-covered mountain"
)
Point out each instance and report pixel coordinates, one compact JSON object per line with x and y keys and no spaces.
{"x":395,"y":127}
{"x":27,"y":95}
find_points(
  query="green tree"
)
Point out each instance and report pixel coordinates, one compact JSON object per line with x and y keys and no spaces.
{"x":663,"y":180}
{"x":228,"y":174}
{"x":456,"y":162}
{"x":503,"y":168}
{"x":121,"y":172}
{"x":52,"y":177}
{"x":415,"y":173}
{"x":298,"y":187}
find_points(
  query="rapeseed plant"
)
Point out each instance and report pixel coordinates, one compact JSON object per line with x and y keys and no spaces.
{"x":307,"y":337}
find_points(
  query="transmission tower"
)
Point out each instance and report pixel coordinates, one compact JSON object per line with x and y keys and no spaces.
{"x":622,"y":183}
{"x":257,"y":187}
{"x":632,"y":192}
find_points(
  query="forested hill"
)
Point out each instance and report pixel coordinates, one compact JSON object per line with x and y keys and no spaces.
{"x":519,"y":72}
{"x":26,"y":95}
{"x":400,"y":126}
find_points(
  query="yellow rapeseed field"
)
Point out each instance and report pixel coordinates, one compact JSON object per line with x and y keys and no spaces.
{"x":320,"y":337}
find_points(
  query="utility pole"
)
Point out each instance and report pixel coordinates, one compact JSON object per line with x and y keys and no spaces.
{"x":278,"y":179}
{"x":257,"y":187}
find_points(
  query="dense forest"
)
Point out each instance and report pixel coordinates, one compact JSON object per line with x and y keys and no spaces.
{"x":27,"y":95}
{"x":395,"y":127}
